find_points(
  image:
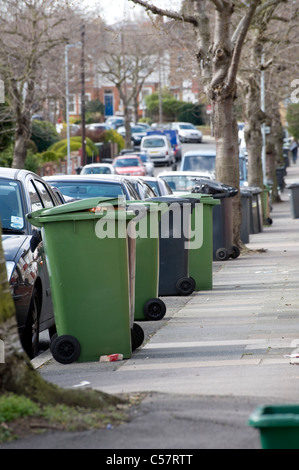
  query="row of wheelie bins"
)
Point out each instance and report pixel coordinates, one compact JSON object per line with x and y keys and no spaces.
{"x":110,"y":261}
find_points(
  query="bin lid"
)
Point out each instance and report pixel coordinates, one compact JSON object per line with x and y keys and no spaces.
{"x":214,"y":188}
{"x":203,"y":198}
{"x":293,"y":185}
{"x":172,"y":199}
{"x":245,"y":192}
{"x":254,"y":189}
{"x":84,"y":208}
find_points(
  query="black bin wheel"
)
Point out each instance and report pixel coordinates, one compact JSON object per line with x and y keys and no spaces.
{"x":185,"y":286}
{"x":65,"y":349}
{"x":236,"y":252}
{"x":221,"y":254}
{"x":137,"y":336}
{"x":154,"y":309}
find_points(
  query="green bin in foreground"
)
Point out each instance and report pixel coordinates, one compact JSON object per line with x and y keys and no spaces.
{"x":201,"y":246}
{"x":278,"y":426}
{"x":148,"y":306}
{"x":91,"y":263}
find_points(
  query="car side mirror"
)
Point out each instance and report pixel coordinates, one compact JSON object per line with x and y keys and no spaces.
{"x":35,"y":239}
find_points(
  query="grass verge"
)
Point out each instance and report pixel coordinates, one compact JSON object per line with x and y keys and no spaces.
{"x":21,"y":417}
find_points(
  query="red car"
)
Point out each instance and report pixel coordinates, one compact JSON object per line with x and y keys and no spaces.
{"x":129,"y":165}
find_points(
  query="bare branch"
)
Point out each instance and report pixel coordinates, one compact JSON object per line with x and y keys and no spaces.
{"x":162,"y":12}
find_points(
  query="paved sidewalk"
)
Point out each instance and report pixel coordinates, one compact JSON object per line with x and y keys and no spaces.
{"x":218,"y":355}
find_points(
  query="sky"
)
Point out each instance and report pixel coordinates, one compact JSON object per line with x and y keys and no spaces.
{"x":117,"y":10}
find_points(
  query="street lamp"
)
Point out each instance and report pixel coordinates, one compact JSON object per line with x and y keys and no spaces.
{"x":67,"y":105}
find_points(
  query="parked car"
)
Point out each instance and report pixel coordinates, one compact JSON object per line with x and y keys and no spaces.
{"x":187,"y":132}
{"x":137,"y":132}
{"x":22,"y":192}
{"x":143,"y":189}
{"x":115,"y":121}
{"x":182,"y":181}
{"x":198,"y":160}
{"x":129,"y":165}
{"x":158,"y":148}
{"x":159,"y":185}
{"x":98,"y":169}
{"x":88,"y":186}
{"x":98,"y":126}
{"x":173,"y":137}
{"x":146,"y":160}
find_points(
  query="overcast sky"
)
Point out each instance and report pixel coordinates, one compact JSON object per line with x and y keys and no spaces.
{"x":117,"y":10}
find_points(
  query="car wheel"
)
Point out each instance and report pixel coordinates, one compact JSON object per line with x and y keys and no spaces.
{"x":30,"y":337}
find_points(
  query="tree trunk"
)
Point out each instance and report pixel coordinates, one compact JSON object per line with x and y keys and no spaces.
{"x":20,"y":149}
{"x":227,"y":150}
{"x":254,"y":118}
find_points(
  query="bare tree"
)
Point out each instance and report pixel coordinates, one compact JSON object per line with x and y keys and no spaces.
{"x":29,"y":31}
{"x":131,"y":55}
{"x":219,"y":48}
{"x":265,"y":42}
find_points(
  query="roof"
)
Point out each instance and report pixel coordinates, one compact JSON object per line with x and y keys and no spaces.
{"x":88,"y":177}
{"x":13,"y":173}
{"x":185,"y":173}
{"x":200,"y":153}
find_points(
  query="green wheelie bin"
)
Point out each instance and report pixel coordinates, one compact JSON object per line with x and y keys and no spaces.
{"x":201,"y":242}
{"x":148,"y":305}
{"x":91,"y":262}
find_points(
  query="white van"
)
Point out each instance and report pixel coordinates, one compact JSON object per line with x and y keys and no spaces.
{"x":159,"y":148}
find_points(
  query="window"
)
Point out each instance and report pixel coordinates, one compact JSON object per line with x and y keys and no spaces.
{"x":36,"y":203}
{"x":72,"y":104}
{"x":44,"y":194}
{"x":11,"y":209}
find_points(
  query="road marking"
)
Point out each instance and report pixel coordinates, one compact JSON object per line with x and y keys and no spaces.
{"x":200,"y":364}
{"x":250,"y":343}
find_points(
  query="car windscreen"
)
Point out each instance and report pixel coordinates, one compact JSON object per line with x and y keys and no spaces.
{"x":122,"y":162}
{"x":11,"y":207}
{"x":103,"y":170}
{"x":180,"y":183}
{"x":152,"y":143}
{"x":199,"y":163}
{"x":186,"y":126}
{"x":81,"y":190}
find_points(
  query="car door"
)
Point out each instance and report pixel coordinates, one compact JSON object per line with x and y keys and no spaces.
{"x":41,"y":196}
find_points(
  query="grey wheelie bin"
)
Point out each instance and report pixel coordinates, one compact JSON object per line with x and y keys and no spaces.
{"x":223,"y":247}
{"x":174,"y":232}
{"x":91,"y":263}
{"x":256,"y":217}
{"x":201,"y":239}
{"x":294,"y":199}
{"x":246,"y":202}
